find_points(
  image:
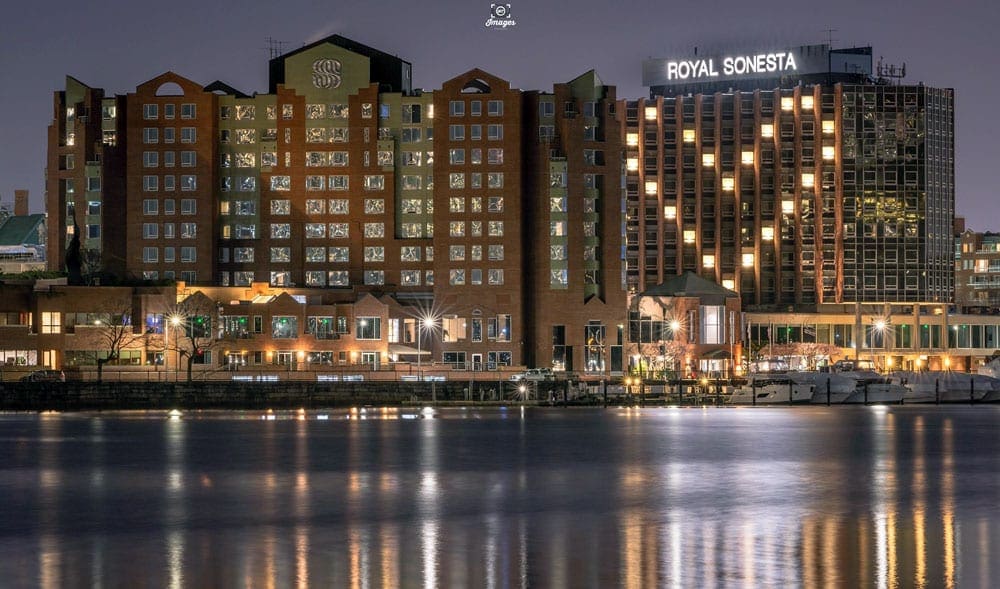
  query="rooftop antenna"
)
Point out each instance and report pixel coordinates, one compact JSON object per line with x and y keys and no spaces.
{"x":889,"y":71}
{"x":829,"y":36}
{"x":274,"y":47}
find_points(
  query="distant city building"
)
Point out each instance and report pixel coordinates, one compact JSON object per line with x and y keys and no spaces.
{"x":22,"y":241}
{"x":977,"y":272}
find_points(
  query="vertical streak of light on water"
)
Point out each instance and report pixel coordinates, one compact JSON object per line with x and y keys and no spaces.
{"x":919,"y":504}
{"x":49,"y":560}
{"x":522,"y":533}
{"x":302,"y":507}
{"x":174,"y":430}
{"x":97,"y":489}
{"x":948,"y":501}
{"x":883,"y":493}
{"x":429,"y":501}
{"x":492,"y":531}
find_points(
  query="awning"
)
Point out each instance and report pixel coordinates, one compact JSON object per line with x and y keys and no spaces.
{"x":401,"y":350}
{"x":716,"y":355}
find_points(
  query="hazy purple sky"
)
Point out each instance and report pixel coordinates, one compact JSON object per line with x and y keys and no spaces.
{"x":117,"y":44}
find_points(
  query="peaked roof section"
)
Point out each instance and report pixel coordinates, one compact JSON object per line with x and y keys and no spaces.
{"x":688,"y":284}
{"x":21,"y":230}
{"x":388,"y":70}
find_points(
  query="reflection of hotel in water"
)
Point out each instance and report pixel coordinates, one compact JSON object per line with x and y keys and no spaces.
{"x":912,"y":532}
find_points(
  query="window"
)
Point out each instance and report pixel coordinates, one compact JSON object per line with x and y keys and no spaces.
{"x":188,"y":111}
{"x":455,"y":132}
{"x":495,"y":156}
{"x":150,"y":159}
{"x":150,"y":230}
{"x":150,"y":206}
{"x":189,"y":182}
{"x":374,"y":182}
{"x":188,"y":134}
{"x":281,"y":254}
{"x":495,"y":108}
{"x":281,"y":183}
{"x":150,"y":135}
{"x":150,"y":255}
{"x":281,"y":230}
{"x":188,"y":230}
{"x":368,"y":328}
{"x":494,"y":132}
{"x":150,"y":111}
{"x":188,"y":254}
{"x":456,"y":108}
{"x":189,"y":206}
{"x":188,"y":159}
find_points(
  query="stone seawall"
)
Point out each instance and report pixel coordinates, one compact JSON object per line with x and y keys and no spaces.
{"x":91,"y":396}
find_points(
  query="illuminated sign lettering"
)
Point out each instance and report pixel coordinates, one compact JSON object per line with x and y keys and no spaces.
{"x":698,"y":69}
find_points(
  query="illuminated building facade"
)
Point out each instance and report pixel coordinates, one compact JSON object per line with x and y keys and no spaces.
{"x":795,"y":185}
{"x":344,"y":177}
{"x":977,"y":271}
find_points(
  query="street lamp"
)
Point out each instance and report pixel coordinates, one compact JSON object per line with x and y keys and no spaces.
{"x":172,"y":321}
{"x":879,"y":326}
{"x":428,"y":323}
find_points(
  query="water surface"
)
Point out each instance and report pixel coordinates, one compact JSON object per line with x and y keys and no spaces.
{"x":750,"y":497}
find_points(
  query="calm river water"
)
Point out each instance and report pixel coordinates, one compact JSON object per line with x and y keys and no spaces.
{"x":842,"y":496}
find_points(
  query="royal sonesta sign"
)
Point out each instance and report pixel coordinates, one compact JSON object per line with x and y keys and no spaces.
{"x":736,"y":65}
{"x":696,"y":69}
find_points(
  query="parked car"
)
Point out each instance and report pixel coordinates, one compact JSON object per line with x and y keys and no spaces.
{"x":534,"y":374}
{"x":45,"y":376}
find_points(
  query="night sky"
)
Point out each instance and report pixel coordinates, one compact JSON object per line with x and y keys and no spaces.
{"x":117,"y":44}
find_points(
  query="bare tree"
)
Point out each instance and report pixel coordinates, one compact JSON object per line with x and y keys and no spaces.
{"x":116,"y":332}
{"x":196,"y":330}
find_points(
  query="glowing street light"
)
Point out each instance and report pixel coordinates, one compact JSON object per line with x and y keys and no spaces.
{"x":172,"y":321}
{"x":424,"y":323}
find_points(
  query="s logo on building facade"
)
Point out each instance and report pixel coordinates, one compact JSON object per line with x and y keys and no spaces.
{"x":326,"y":73}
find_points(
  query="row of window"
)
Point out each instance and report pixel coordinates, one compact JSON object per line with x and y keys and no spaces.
{"x":152,"y":111}
{"x":341,"y":254}
{"x":457,"y":132}
{"x":189,"y":183}
{"x":494,"y":155}
{"x":151,"y":206}
{"x":152,"y":231}
{"x":456,"y":108}
{"x":151,"y":255}
{"x":151,"y":159}
{"x":151,"y":135}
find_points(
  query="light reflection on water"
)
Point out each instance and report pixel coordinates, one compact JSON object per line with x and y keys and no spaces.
{"x":504,"y":498}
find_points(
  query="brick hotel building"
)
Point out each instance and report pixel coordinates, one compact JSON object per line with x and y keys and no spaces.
{"x":496,"y":212}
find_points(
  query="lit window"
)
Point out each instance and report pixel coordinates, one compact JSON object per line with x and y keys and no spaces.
{"x":787,"y":207}
{"x":747,"y":158}
{"x":708,"y":159}
{"x":632,"y":139}
{"x":728,"y":183}
{"x":650,"y":113}
{"x":729,"y":283}
{"x":651,"y":187}
{"x":748,"y":260}
{"x":689,"y":236}
{"x":829,"y":152}
{"x":807,"y":102}
{"x":787,"y":103}
{"x":828,"y":127}
{"x":670,"y":212}
{"x":767,"y":131}
{"x":767,"y":233}
{"x":708,"y":261}
{"x":808,"y":180}
{"x":631,"y":164}
{"x":688,"y":135}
